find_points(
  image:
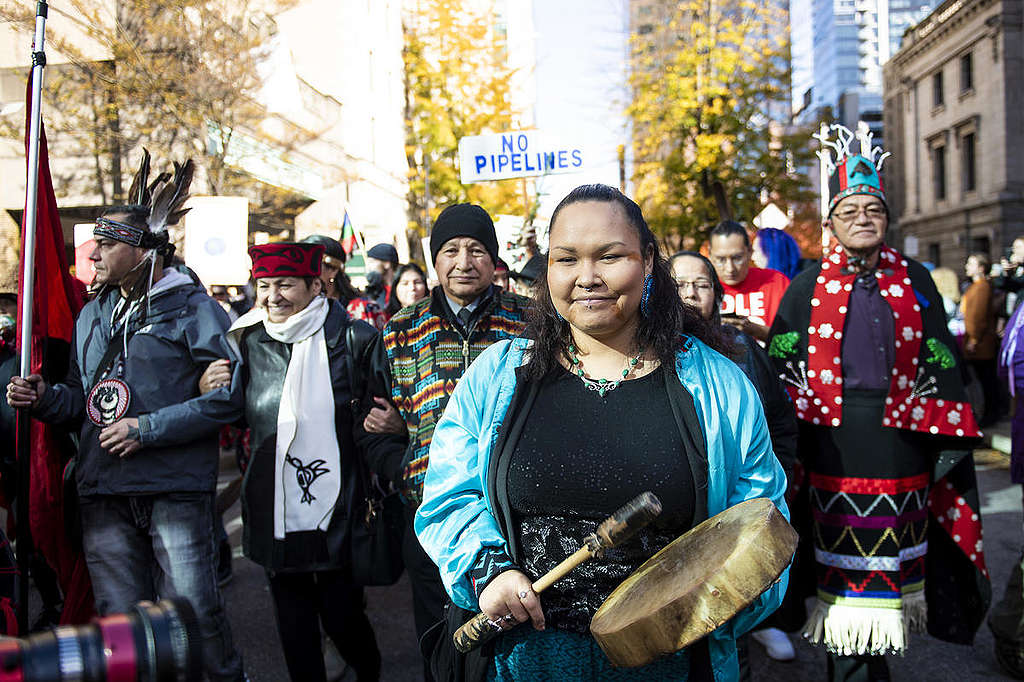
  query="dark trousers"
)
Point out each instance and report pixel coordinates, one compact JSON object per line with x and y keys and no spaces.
{"x":428,"y":595}
{"x":857,"y":668}
{"x":989,"y":380}
{"x":1006,"y":619}
{"x":147,"y":547}
{"x":302,"y":602}
{"x":46,"y":582}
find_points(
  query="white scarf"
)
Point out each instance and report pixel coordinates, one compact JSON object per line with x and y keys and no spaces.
{"x":308,"y":460}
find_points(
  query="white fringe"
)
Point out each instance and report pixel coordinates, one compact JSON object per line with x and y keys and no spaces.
{"x":858,"y":630}
{"x":915,"y":611}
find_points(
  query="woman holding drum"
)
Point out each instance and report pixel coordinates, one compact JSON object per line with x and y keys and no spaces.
{"x":619,"y":391}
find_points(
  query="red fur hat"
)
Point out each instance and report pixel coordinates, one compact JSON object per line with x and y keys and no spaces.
{"x":286,"y":259}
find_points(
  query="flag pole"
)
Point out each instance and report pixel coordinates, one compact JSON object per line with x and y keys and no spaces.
{"x":27,"y":296}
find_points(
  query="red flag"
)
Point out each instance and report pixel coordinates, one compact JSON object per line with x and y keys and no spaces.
{"x":55,"y":306}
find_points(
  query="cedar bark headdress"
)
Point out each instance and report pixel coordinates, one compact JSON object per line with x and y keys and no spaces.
{"x":844,"y":172}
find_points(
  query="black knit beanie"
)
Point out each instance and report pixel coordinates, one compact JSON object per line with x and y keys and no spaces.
{"x":464,"y":220}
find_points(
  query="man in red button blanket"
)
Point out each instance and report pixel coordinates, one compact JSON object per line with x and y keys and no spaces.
{"x":886,"y":433}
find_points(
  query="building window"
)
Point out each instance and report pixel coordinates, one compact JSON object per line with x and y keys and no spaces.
{"x":935,"y":254}
{"x":938,"y":98}
{"x":939,"y":171}
{"x":966,"y":73}
{"x":981,"y":245}
{"x":967,"y":149}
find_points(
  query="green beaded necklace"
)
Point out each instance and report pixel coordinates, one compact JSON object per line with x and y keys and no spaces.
{"x":602,"y":386}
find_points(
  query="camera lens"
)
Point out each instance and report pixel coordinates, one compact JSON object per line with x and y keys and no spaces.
{"x":153,"y":643}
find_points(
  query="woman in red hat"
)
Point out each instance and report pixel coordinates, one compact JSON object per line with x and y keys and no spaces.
{"x":304,"y":482}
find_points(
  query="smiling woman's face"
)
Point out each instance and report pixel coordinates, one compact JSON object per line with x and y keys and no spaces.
{"x":285,"y":296}
{"x":596,"y":268}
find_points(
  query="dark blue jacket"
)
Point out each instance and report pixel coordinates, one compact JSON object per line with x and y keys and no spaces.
{"x":182,"y":333}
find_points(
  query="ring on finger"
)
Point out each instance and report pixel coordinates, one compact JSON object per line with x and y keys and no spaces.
{"x":522,"y":595}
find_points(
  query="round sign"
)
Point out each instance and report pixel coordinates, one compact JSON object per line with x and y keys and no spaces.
{"x":215,"y":246}
{"x":107,"y":402}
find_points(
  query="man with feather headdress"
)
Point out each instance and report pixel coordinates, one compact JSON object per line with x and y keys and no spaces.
{"x":147,"y":465}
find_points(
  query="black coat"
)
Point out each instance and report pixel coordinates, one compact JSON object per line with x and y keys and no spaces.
{"x":265,"y":362}
{"x":778,"y":408}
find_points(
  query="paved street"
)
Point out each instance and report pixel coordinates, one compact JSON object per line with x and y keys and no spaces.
{"x":252,"y":620}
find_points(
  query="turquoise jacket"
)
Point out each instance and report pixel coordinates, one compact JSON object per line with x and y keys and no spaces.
{"x":455,"y":521}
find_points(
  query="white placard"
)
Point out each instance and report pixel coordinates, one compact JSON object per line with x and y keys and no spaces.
{"x":431,"y":273}
{"x":771,"y":217}
{"x":84,"y":245}
{"x":518,"y":154}
{"x":216,"y":237}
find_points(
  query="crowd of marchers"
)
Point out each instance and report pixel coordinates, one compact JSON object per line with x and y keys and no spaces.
{"x":509,"y":412}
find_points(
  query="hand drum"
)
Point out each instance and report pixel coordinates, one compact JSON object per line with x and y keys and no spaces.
{"x":696,"y":583}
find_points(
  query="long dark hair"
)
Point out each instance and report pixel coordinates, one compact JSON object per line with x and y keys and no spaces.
{"x":343,"y":285}
{"x":659,"y":332}
{"x":393,"y":304}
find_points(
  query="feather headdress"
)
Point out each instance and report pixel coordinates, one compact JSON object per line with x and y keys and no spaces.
{"x":169,"y":195}
{"x":153,"y":206}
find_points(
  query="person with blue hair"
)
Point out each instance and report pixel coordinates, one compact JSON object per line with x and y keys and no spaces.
{"x":777,"y":250}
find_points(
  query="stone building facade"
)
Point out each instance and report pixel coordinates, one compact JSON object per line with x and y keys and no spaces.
{"x":954,"y":121}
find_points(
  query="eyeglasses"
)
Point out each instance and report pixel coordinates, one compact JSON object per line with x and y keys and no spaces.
{"x":872,"y":211}
{"x":700,"y":285}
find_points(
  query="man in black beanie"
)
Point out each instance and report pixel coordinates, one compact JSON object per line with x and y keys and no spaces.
{"x":427,"y":347}
{"x":464,"y":220}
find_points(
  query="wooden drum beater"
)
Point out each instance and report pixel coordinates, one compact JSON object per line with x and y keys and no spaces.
{"x":614,"y":530}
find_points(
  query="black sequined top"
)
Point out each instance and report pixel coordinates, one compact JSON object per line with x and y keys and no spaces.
{"x":580,"y":457}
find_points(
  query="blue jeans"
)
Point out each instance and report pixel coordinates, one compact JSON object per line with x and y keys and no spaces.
{"x":148,"y":547}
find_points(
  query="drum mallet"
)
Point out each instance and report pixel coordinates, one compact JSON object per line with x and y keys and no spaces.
{"x":617,"y":528}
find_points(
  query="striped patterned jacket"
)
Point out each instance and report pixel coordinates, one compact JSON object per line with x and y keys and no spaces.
{"x":428,"y":352}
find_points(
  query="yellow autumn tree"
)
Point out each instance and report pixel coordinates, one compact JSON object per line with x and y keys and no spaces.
{"x":709,"y":109}
{"x":456,"y":84}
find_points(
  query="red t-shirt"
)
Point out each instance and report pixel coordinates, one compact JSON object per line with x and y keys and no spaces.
{"x":757,"y":297}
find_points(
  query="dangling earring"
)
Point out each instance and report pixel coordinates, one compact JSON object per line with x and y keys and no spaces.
{"x":645,"y":299}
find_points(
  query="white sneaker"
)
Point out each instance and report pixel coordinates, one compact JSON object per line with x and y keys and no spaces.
{"x":776,"y":643}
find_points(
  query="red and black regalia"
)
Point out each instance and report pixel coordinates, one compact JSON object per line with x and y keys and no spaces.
{"x":886,"y":437}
